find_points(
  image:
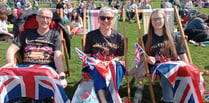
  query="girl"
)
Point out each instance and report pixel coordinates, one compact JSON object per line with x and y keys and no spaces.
{"x":75,"y":22}
{"x":159,"y":42}
{"x":4,"y":34}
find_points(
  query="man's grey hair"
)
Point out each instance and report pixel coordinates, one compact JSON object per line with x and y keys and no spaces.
{"x":105,"y":9}
{"x":46,"y":9}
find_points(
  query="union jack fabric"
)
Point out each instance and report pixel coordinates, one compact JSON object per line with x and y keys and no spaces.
{"x":207,"y":96}
{"x":138,"y":52}
{"x":107,"y":75}
{"x":33,"y":81}
{"x":188,"y":84}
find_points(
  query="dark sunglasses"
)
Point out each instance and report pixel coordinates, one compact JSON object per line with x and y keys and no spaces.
{"x":105,"y":17}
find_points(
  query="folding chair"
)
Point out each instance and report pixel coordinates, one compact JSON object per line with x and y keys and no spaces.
{"x":27,"y":20}
{"x":146,"y":18}
{"x":92,"y":20}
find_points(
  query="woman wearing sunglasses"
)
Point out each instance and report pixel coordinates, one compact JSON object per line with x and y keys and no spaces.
{"x":105,"y":44}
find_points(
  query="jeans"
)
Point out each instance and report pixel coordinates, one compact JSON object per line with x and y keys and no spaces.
{"x":167,"y":89}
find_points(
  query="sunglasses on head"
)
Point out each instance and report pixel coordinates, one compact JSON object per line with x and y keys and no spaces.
{"x":105,"y":17}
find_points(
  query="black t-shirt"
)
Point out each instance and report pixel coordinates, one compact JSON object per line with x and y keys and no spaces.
{"x":38,"y":49}
{"x":96,"y":43}
{"x":11,"y":19}
{"x":157,"y":44}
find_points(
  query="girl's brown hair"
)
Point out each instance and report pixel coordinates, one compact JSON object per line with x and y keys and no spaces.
{"x":169,"y":46}
{"x":3,"y":15}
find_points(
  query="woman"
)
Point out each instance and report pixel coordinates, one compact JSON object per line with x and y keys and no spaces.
{"x":159,"y":42}
{"x":105,"y":44}
{"x":75,"y":23}
{"x":4,"y":34}
{"x":196,"y":29}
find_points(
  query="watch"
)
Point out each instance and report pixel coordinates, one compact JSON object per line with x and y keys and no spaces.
{"x":61,"y":77}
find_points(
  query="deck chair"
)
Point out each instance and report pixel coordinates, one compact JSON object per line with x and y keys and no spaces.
{"x":27,"y":81}
{"x":174,"y":11}
{"x":24,"y":22}
{"x":92,"y":20}
{"x":147,"y":12}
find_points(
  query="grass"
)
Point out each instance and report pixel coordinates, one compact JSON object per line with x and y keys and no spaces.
{"x":200,"y":57}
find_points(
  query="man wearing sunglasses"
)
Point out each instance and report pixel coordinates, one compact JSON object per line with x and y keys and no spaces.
{"x":105,"y":44}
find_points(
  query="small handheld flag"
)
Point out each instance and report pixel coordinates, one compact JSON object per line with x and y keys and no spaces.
{"x":138,"y":52}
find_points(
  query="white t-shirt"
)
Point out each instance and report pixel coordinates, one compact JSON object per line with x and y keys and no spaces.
{"x":3,"y":26}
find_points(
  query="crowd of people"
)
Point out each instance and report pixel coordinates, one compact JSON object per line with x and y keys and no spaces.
{"x":159,"y":41}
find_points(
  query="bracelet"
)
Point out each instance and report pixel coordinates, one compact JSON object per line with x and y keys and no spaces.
{"x":61,"y":77}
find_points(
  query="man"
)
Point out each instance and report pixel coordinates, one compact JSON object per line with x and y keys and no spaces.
{"x":12,"y":17}
{"x":42,"y":46}
{"x":130,"y":10}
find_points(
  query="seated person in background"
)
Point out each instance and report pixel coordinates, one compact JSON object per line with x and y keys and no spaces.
{"x":76,"y":23}
{"x":12,"y":17}
{"x":196,"y":29}
{"x":105,"y":41}
{"x":167,"y":4}
{"x":39,"y":39}
{"x":146,"y":5}
{"x":100,"y":6}
{"x":80,"y":9}
{"x":130,"y":10}
{"x":117,"y":4}
{"x":27,"y":5}
{"x":188,"y":4}
{"x":4,"y":34}
{"x":93,"y":5}
{"x":159,"y":42}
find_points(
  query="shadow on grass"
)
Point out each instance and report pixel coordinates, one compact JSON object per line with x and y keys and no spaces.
{"x":146,"y":94}
{"x":207,"y":67}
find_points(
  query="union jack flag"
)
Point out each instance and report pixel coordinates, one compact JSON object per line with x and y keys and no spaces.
{"x":138,"y":52}
{"x":106,"y":74}
{"x":207,"y":96}
{"x":188,"y":84}
{"x":33,"y":81}
{"x":86,"y":60}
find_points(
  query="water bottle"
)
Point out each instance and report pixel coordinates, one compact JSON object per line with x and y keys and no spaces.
{"x":139,"y":92}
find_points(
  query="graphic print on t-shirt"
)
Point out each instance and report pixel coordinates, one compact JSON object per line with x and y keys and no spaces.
{"x":38,"y":51}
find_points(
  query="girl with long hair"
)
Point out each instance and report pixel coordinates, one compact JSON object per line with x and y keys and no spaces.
{"x":75,"y":22}
{"x":161,"y":43}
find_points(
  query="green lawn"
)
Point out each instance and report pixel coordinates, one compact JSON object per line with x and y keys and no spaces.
{"x":200,"y":57}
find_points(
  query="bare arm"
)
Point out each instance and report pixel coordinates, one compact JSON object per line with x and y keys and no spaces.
{"x":9,"y":34}
{"x":81,"y":22}
{"x":60,"y":67}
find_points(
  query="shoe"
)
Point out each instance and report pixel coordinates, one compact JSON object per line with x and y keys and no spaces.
{"x":201,"y":44}
{"x":194,"y":42}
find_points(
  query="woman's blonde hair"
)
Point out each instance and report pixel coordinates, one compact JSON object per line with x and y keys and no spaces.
{"x":169,"y":46}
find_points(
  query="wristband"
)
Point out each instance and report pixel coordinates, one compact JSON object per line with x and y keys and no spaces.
{"x":61,"y":77}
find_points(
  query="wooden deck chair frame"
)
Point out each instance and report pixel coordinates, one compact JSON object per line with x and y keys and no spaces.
{"x":125,"y":44}
{"x":184,"y":40}
{"x":18,"y":58}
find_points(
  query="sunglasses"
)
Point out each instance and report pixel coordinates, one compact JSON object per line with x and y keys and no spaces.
{"x":105,"y":17}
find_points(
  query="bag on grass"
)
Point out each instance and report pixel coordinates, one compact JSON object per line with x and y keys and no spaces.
{"x":85,"y":93}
